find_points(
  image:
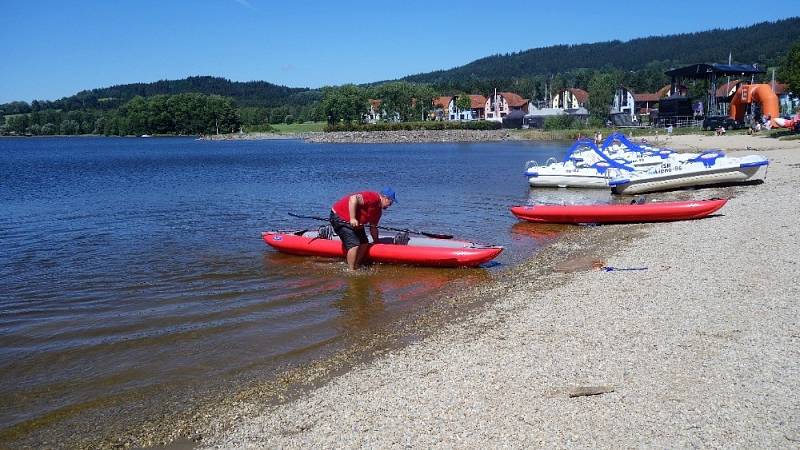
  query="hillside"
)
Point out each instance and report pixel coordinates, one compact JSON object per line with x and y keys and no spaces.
{"x":250,"y":93}
{"x":762,"y":43}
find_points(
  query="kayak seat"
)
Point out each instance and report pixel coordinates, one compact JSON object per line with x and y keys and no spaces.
{"x":401,"y":238}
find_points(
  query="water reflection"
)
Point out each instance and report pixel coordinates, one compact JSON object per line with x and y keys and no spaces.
{"x":361,"y":301}
{"x":369,"y":297}
{"x":541,"y":233}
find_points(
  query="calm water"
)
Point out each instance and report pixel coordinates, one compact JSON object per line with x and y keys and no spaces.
{"x":131,"y":266}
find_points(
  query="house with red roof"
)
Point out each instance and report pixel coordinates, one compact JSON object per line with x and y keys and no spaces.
{"x":571,"y":98}
{"x":375,"y":113}
{"x":476,"y":111}
{"x":646,"y":103}
{"x":634,"y":104}
{"x":501,"y":103}
{"x":441,"y":108}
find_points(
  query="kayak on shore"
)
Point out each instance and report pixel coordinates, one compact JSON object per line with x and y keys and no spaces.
{"x":418,"y":251}
{"x":619,"y":213}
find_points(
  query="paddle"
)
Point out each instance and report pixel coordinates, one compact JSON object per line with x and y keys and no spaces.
{"x":424,"y":233}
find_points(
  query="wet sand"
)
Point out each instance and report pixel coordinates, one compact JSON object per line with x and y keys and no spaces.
{"x":700,"y":349}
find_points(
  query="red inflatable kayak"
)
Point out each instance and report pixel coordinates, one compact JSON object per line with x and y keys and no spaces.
{"x":419,"y":251}
{"x":619,"y":213}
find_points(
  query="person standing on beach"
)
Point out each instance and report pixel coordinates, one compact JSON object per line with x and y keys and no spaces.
{"x":349,"y":215}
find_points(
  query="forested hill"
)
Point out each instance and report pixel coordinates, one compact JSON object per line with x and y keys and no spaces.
{"x":250,"y":93}
{"x":762,"y":43}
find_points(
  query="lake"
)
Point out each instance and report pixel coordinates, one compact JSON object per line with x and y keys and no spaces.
{"x":133,"y":267}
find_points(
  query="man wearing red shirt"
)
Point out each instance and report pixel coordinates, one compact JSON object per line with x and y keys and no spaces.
{"x":351,"y":213}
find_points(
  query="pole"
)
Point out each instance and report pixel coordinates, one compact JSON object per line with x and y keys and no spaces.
{"x":773,"y":80}
{"x":727,"y":84}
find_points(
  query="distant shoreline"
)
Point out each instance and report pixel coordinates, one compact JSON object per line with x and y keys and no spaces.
{"x":688,"y":142}
{"x":393,"y":137}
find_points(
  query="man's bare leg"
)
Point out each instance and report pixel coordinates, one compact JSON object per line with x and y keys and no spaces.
{"x":362,"y":252}
{"x":352,"y":257}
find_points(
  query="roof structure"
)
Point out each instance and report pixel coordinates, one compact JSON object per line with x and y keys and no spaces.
{"x":646,"y":97}
{"x":681,"y":89}
{"x":513,"y":99}
{"x":579,"y":94}
{"x":663,"y":91}
{"x":781,"y":88}
{"x":478,"y":101}
{"x":546,"y":112}
{"x":442,"y":102}
{"x":703,"y":71}
{"x":724,"y":90}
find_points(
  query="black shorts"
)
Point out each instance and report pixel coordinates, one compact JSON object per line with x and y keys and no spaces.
{"x":351,"y":237}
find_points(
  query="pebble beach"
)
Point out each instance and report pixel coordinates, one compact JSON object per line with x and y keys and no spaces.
{"x":700,"y":348}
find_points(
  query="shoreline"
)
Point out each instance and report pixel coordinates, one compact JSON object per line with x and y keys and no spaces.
{"x":694,"y":351}
{"x":682,"y":142}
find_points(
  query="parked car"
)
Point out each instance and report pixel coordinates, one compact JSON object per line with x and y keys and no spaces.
{"x":714,"y":122}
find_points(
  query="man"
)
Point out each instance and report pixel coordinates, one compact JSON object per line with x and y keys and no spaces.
{"x":351,"y":213}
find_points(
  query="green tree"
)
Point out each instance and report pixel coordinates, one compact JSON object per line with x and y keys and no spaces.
{"x":423,"y":101}
{"x":17,"y":123}
{"x":601,"y":94}
{"x":398,"y":99}
{"x":346,"y":103}
{"x":463,"y":103}
{"x":99,"y":125}
{"x":70,"y":126}
{"x":49,"y":129}
{"x":560,"y":122}
{"x":136,"y":113}
{"x":789,"y":71}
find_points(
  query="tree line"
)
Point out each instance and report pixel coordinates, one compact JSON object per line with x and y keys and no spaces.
{"x":180,"y":114}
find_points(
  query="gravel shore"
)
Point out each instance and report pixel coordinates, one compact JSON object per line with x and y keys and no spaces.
{"x":377,"y":137}
{"x":700,"y":349}
{"x":386,"y":137}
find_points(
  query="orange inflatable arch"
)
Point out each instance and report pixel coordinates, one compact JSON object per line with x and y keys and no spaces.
{"x":759,"y":93}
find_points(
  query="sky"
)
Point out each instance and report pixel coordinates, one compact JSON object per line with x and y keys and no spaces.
{"x":53,"y":49}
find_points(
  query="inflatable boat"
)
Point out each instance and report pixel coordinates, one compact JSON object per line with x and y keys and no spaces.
{"x":619,"y":213}
{"x":418,"y":251}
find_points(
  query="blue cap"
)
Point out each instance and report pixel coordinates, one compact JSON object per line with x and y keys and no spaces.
{"x":389,"y":193}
